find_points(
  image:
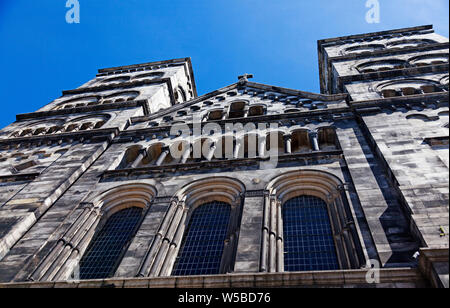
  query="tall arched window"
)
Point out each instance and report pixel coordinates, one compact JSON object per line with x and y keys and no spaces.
{"x":308,"y":236}
{"x":203,"y":244}
{"x":105,"y":251}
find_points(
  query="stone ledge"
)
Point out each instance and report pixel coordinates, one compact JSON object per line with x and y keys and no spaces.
{"x":346,"y":278}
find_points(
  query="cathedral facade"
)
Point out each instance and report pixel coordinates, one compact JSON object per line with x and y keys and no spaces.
{"x":133,"y":180}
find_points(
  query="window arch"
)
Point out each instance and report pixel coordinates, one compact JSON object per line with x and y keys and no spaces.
{"x":122,"y":207}
{"x":382,"y":65}
{"x":106,"y":249}
{"x":213,"y":203}
{"x":297,"y":203}
{"x":237,"y":109}
{"x":430,"y":59}
{"x":203,"y":244}
{"x":152,"y":75}
{"x":308,"y":235}
{"x":115,"y":80}
{"x":180,"y":95}
{"x":407,"y":43}
{"x":358,"y":49}
{"x":132,"y":157}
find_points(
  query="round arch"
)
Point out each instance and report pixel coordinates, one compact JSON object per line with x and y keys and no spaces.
{"x":321,"y":184}
{"x":124,"y":196}
{"x":202,"y":191}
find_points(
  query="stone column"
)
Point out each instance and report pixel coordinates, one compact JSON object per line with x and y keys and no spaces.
{"x":237,"y":149}
{"x":262,"y":146}
{"x":186,"y":155}
{"x":137,"y":161}
{"x":167,"y":240}
{"x":288,"y":143}
{"x":211,"y":152}
{"x":273,"y":235}
{"x":280,"y":248}
{"x":56,"y":251}
{"x":265,"y":233}
{"x":315,"y":141}
{"x":162,"y":157}
{"x":174,"y":247}
{"x":150,"y":255}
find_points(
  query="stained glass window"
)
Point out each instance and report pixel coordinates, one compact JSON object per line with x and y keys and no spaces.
{"x":308,"y":237}
{"x":104,"y":253}
{"x":203,"y":244}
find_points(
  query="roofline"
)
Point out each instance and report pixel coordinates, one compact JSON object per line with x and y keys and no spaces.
{"x":171,"y":61}
{"x":356,"y":36}
{"x":139,"y":65}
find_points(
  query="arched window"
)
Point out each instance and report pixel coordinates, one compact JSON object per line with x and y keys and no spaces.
{"x":308,"y":236}
{"x":105,"y":251}
{"x":203,"y":244}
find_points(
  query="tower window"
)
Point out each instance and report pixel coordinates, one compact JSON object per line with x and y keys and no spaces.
{"x":104,"y":253}
{"x":308,"y":237}
{"x":203,"y":244}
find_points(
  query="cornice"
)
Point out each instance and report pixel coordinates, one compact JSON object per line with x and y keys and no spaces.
{"x":86,"y":109}
{"x":380,"y":33}
{"x":96,"y":135}
{"x":207,"y":166}
{"x":123,"y":85}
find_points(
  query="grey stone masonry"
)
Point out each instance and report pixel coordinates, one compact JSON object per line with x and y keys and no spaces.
{"x":368,"y":157}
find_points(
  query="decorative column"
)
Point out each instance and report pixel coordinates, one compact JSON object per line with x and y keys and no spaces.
{"x":280,"y":248}
{"x":237,"y":149}
{"x":137,"y":161}
{"x":211,"y":152}
{"x":262,"y":146}
{"x":174,"y":247}
{"x":167,"y":240}
{"x":60,"y":262}
{"x":273,"y":234}
{"x":157,"y":241}
{"x":162,"y":157}
{"x":265,"y":233}
{"x":288,"y":143}
{"x":186,"y":155}
{"x":315,"y":141}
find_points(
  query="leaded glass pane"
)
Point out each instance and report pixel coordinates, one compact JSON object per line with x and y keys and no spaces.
{"x":308,"y":237}
{"x":202,"y":247}
{"x":103,"y":254}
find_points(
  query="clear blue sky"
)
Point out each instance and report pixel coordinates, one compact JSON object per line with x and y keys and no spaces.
{"x":41,"y":54}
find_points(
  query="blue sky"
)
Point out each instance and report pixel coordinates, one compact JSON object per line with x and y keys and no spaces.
{"x":41,"y":55}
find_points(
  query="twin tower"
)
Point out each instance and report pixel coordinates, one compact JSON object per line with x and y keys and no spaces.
{"x":91,"y":193}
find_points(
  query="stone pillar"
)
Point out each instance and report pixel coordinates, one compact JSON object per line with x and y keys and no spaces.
{"x":280,"y":248}
{"x":315,"y":140}
{"x":211,"y":152}
{"x":248,"y":252}
{"x":167,"y":240}
{"x":186,"y":155}
{"x":288,"y":143}
{"x":174,"y":247}
{"x":237,"y":149}
{"x":157,"y":242}
{"x":262,"y":146}
{"x":265,"y":233}
{"x":162,"y":157}
{"x":273,"y":235}
{"x":137,"y":161}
